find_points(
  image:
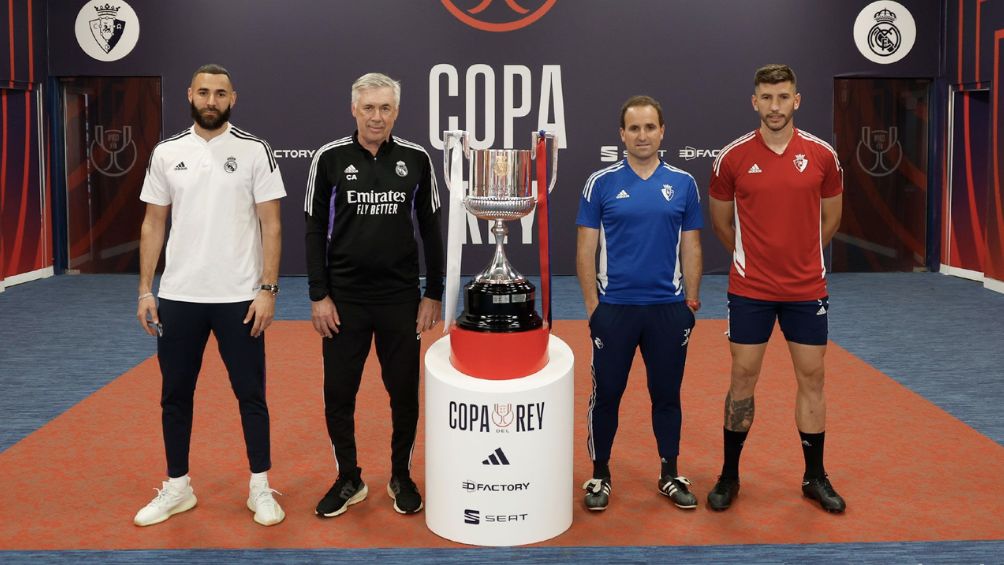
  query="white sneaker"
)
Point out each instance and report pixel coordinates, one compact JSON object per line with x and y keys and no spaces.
{"x":267,"y":511}
{"x":169,"y":501}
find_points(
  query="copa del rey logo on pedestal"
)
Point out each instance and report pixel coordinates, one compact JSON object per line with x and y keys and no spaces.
{"x":498,"y":15}
{"x":107,"y":30}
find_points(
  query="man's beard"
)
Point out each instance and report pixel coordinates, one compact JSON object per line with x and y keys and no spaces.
{"x":784,"y":123}
{"x":209,"y":123}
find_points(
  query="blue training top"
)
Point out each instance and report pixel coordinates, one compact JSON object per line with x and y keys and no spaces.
{"x":640,"y":222}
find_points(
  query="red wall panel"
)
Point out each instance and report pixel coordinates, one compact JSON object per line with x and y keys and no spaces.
{"x":22,"y":207}
{"x":994,"y":263}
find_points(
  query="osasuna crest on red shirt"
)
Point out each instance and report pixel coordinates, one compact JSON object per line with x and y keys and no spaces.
{"x":801,"y":162}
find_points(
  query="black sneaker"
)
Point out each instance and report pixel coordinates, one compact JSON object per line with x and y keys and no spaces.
{"x":344,"y":493}
{"x":407,"y":499}
{"x":597,"y":493}
{"x":725,"y":491}
{"x":676,"y":489}
{"x":820,"y":489}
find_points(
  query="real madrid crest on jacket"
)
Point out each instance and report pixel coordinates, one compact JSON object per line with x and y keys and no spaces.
{"x":359,"y":208}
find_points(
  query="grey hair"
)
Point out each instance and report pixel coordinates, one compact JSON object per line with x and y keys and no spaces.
{"x":370,"y":81}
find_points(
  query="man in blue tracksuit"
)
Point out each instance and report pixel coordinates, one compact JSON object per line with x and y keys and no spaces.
{"x":644,"y":215}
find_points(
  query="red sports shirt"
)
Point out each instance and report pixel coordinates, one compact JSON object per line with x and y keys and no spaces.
{"x":778,"y":254}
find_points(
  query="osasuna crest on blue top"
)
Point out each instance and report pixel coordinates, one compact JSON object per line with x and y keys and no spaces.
{"x":667,"y":192}
{"x":106,"y":29}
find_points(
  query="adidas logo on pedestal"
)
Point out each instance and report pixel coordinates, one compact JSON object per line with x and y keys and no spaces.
{"x":755,"y":169}
{"x":496,"y":458}
{"x":623,"y":194}
{"x":180,"y":167}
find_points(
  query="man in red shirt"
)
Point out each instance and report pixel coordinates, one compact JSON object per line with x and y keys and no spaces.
{"x":775,"y":203}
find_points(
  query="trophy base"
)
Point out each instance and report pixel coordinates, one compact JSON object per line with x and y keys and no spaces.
{"x":499,"y":307}
{"x":498,"y":356}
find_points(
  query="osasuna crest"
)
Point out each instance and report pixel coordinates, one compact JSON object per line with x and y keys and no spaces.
{"x":231,"y":164}
{"x":667,"y":192}
{"x":401,"y":169}
{"x":801,"y":162}
{"x":106,"y":29}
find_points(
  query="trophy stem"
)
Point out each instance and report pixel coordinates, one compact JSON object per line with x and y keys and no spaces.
{"x":500,"y":270}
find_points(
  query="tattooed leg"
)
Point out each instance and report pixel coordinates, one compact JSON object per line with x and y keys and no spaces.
{"x":739,"y":413}
{"x":739,"y":407}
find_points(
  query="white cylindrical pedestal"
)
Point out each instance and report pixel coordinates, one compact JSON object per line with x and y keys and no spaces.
{"x":498,"y":453}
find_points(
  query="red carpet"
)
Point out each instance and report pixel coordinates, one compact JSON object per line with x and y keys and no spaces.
{"x":908,"y":470}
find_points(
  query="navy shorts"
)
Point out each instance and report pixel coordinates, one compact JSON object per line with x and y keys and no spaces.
{"x":752,"y":321}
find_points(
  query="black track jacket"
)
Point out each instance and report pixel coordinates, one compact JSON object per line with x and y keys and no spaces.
{"x":361,"y":244}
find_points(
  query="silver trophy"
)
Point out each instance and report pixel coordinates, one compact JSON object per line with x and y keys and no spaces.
{"x":500,"y":189}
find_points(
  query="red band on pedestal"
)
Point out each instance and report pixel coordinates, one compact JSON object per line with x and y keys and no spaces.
{"x":498,"y":356}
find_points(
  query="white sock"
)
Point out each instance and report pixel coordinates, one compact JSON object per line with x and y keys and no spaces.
{"x":259,"y":478}
{"x":179,"y":482}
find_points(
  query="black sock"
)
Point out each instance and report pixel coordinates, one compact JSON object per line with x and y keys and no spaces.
{"x":669,"y":467}
{"x":734,"y":442}
{"x":812,"y":449}
{"x":601,"y":469}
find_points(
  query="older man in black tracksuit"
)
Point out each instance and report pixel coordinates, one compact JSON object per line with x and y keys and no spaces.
{"x":363,"y":192}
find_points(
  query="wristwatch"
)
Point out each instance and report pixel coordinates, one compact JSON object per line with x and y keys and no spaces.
{"x":273,"y":288}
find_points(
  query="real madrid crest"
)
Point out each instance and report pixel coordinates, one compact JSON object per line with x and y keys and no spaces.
{"x":884,"y":32}
{"x":401,"y":169}
{"x":884,"y":38}
{"x":801,"y":162}
{"x":667,"y":192}
{"x":231,"y":164}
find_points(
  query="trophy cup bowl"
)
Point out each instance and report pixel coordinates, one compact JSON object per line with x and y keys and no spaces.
{"x":499,"y":298}
{"x":499,"y":189}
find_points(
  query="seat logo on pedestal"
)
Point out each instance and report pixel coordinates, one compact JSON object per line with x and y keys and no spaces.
{"x":474,"y":517}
